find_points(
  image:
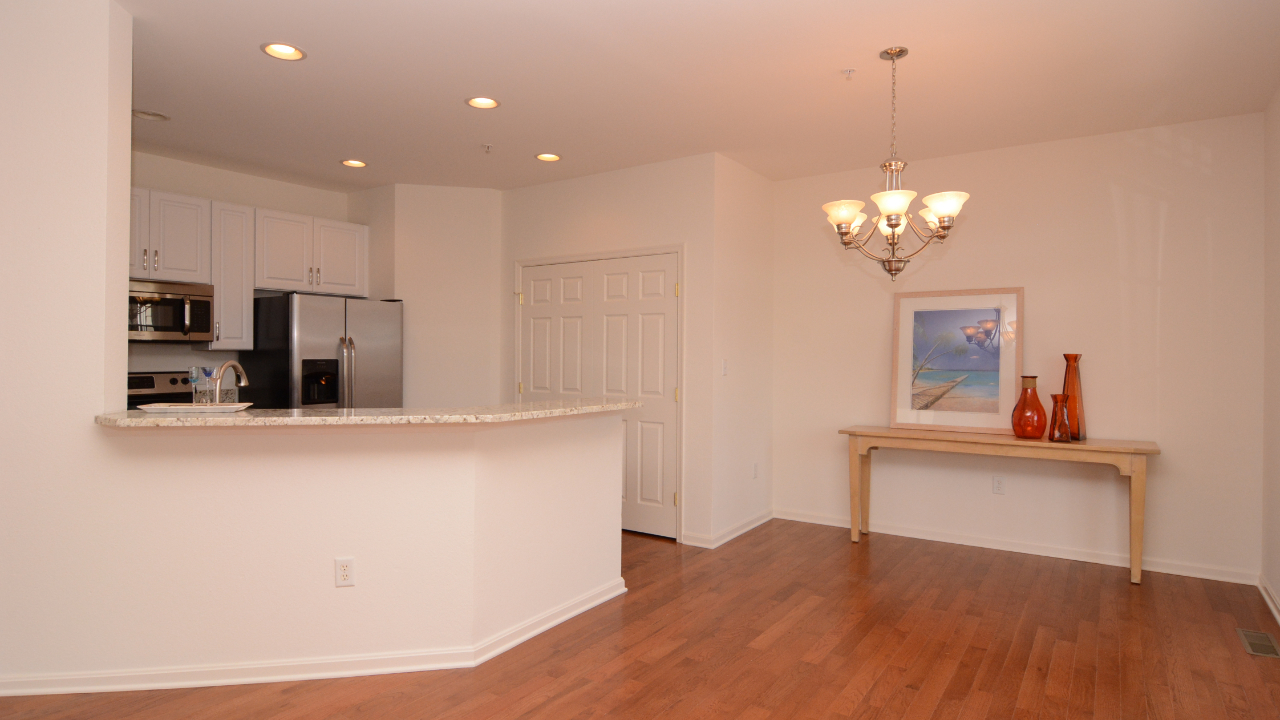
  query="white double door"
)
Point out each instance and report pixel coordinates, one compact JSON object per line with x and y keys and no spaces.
{"x":608,"y":328}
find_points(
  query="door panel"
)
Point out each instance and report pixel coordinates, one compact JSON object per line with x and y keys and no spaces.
{"x":318,"y":322}
{"x":139,"y":222}
{"x":610,"y":328}
{"x":615,"y":359}
{"x":232,"y":271}
{"x":179,"y":236}
{"x":376,"y":329}
{"x":283,"y":251}
{"x":340,"y":253}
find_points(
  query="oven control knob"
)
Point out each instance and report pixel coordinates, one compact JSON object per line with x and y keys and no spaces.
{"x":173,"y":381}
{"x":185,"y":381}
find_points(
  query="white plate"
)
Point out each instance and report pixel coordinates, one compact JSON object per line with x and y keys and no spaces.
{"x":194,"y":407}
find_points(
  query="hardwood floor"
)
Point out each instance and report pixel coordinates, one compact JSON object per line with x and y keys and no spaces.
{"x":793,"y":620}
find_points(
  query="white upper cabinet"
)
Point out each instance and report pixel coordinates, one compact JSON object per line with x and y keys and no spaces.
{"x":232,"y":266}
{"x":179,"y":236}
{"x":139,"y":242}
{"x":284,"y":252}
{"x":340,"y":255}
{"x":305,"y":254}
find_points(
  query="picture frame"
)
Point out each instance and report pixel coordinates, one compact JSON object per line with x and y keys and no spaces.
{"x":957,"y":360}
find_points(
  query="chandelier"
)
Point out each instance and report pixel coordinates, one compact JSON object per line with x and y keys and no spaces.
{"x":939,"y":213}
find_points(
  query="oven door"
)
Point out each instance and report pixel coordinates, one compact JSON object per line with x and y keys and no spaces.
{"x":164,"y":312}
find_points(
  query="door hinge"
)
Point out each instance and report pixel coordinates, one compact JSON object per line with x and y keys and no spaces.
{"x":521,"y":298}
{"x":677,"y":289}
{"x":677,"y":394}
{"x":520,"y":389}
{"x":675,"y":499}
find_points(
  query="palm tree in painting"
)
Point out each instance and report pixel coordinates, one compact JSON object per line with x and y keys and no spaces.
{"x":943,"y":343}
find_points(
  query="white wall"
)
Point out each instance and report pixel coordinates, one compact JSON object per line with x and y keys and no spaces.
{"x":663,"y":205}
{"x":1271,"y":397}
{"x":155,"y":172}
{"x":448,"y":249}
{"x":742,"y":414}
{"x":1125,"y":259}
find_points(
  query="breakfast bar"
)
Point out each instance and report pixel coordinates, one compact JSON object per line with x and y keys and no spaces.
{"x":364,"y":416}
{"x":474,"y":528}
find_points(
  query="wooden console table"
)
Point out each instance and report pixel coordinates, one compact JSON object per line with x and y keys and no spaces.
{"x":1128,"y":456}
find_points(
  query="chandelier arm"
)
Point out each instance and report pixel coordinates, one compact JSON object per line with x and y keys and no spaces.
{"x":925,"y":237}
{"x":861,"y":245}
{"x":863,"y":250}
{"x":926,"y":244}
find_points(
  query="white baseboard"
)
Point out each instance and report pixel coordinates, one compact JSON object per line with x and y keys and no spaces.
{"x":508,"y":639}
{"x":811,"y":518}
{"x":711,"y":542}
{"x":1207,"y":572}
{"x":1273,"y":600}
{"x":308,"y":668}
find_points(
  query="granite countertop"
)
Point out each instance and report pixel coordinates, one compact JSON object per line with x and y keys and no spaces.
{"x":368,"y":416}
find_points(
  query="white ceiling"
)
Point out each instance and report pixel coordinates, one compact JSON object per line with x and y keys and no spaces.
{"x":609,"y":84}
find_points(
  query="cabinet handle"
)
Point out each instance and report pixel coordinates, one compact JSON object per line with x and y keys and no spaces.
{"x":317,"y":276}
{"x":217,"y":331}
{"x":144,"y":258}
{"x":309,"y":272}
{"x":155,"y":260}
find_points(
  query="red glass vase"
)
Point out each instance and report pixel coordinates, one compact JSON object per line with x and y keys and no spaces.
{"x":1059,"y":427}
{"x":1075,"y":401}
{"x":1029,"y":419}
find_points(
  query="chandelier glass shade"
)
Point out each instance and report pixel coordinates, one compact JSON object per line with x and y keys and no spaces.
{"x":894,"y":204}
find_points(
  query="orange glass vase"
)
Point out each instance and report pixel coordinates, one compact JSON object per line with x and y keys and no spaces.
{"x":1059,"y":427}
{"x":1075,"y":401}
{"x":1029,"y":419}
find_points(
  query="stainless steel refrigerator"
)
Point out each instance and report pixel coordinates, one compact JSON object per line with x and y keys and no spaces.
{"x":319,"y":351}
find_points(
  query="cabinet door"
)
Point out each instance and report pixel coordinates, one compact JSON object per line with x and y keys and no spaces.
{"x":283,"y":257}
{"x":233,"y":227}
{"x":139,"y":221}
{"x":179,"y":237}
{"x":341,"y":258}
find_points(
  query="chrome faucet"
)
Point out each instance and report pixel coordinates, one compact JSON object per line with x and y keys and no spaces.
{"x":242,"y":380}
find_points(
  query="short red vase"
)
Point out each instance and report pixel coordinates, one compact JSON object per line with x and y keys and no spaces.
{"x":1029,"y":419}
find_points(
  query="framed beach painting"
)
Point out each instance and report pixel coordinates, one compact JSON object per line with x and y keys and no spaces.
{"x":957,"y":360}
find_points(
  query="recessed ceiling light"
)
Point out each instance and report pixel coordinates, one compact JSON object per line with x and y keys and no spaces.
{"x":148,"y":115}
{"x":548,"y":157}
{"x":283,"y":52}
{"x":483,"y":103}
{"x":353,"y":163}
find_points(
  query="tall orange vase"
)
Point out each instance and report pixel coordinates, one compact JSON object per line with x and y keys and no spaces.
{"x":1075,"y":401}
{"x":1029,"y":419}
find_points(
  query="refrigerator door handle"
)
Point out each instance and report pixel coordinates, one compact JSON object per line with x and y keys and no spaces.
{"x":351,"y":374}
{"x":343,"y":368}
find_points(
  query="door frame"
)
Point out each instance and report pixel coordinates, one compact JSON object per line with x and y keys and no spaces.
{"x":679,"y":251}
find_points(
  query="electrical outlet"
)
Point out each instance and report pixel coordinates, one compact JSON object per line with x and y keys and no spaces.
{"x":755,"y":470}
{"x":997,"y":485}
{"x":724,"y":368}
{"x":344,"y":572}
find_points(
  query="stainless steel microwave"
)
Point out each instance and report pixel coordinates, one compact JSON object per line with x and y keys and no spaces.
{"x":170,"y":312}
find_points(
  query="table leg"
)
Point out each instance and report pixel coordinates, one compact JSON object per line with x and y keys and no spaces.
{"x":1137,"y":511}
{"x":855,"y":489}
{"x":866,"y":493}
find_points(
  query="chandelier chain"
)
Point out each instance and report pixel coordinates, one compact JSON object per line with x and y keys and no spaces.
{"x":893,"y":114}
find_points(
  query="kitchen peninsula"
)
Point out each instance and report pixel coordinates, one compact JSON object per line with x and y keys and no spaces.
{"x":366,"y":416}
{"x":468,"y":531}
